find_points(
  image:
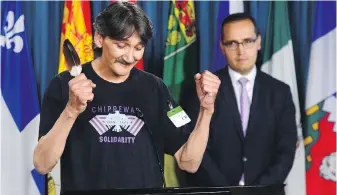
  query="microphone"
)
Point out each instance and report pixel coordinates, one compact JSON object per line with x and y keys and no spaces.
{"x":161,"y":169}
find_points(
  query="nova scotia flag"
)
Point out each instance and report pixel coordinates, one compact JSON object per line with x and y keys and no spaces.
{"x":19,"y":107}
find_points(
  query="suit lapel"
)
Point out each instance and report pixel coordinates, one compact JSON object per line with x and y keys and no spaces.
{"x":257,"y":102}
{"x":227,"y":92}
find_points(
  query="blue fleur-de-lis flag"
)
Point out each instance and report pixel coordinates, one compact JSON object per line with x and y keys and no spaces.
{"x":19,"y":106}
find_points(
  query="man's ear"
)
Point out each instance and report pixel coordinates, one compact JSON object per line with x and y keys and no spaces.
{"x":258,"y":41}
{"x":222,"y":47}
{"x":98,"y":39}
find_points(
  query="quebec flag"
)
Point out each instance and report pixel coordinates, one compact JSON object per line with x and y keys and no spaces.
{"x":19,"y":107}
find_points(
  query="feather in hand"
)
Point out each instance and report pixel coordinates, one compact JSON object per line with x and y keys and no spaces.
{"x":72,"y":58}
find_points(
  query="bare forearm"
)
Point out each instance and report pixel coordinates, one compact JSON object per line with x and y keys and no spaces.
{"x":192,"y":151}
{"x":51,"y":146}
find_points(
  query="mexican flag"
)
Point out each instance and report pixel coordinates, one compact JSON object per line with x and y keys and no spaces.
{"x":321,"y":104}
{"x":179,"y":62}
{"x":278,"y":61}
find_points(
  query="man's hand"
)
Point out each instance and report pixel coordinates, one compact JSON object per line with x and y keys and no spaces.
{"x":207,"y":85}
{"x":80,"y":93}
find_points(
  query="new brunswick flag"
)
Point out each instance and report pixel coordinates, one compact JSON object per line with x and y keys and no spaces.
{"x":76,"y":26}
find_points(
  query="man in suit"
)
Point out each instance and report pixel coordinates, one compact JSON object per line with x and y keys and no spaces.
{"x":253,"y":131}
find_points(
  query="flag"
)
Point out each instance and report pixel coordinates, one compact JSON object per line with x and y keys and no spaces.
{"x":140,"y":63}
{"x":180,"y":43}
{"x":132,"y":1}
{"x":278,"y":61}
{"x":321,"y":104}
{"x":19,"y":107}
{"x":225,"y":9}
{"x":179,"y":62}
{"x":76,"y":26}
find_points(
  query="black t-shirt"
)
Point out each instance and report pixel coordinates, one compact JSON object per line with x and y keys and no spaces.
{"x":109,"y":146}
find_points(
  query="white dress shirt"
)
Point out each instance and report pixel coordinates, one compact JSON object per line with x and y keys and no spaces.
{"x":235,"y":76}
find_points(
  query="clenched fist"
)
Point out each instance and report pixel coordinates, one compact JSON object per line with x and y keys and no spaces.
{"x":207,"y":85}
{"x":80,"y":93}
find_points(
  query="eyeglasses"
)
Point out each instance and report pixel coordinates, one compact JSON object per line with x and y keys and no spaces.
{"x":247,"y":44}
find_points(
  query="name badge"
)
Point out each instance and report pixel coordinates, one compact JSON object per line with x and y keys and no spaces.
{"x":178,"y":116}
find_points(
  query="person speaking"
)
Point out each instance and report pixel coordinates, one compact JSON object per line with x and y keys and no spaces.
{"x":103,"y":124}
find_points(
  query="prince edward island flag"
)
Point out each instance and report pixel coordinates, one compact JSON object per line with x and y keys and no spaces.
{"x":19,"y":107}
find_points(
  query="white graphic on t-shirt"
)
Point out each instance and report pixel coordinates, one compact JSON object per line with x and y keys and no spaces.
{"x":117,"y":121}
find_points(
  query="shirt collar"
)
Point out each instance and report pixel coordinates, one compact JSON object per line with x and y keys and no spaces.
{"x":235,"y":76}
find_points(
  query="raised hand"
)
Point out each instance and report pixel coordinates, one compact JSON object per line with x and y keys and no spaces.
{"x":80,"y":93}
{"x":207,"y":85}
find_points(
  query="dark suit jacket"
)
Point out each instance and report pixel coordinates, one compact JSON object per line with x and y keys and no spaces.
{"x":265,"y":155}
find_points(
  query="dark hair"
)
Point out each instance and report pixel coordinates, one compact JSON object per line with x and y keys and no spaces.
{"x":238,"y":17}
{"x":121,"y":19}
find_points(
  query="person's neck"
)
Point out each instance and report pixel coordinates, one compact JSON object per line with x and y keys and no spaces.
{"x":103,"y":70}
{"x":245,"y":73}
{"x":242,"y":72}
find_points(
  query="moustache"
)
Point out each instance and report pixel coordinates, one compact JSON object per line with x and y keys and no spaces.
{"x":125,"y":62}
